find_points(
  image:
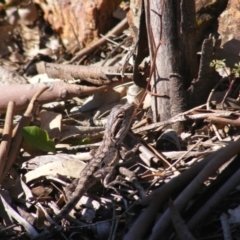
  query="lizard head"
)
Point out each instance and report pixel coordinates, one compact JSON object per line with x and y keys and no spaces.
{"x":119,"y":122}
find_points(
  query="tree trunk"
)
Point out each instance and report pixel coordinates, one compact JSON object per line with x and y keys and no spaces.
{"x":171,"y":24}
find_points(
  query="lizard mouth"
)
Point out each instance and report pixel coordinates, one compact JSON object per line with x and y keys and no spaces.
{"x":120,"y":122}
{"x":121,"y":128}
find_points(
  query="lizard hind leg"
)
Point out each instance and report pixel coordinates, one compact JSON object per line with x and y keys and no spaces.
{"x":107,"y":174}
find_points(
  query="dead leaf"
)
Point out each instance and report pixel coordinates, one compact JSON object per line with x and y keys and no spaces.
{"x":51,"y":122}
{"x":65,"y":167}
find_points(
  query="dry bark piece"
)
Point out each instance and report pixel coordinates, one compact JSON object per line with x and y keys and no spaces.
{"x":206,"y":15}
{"x":115,"y":31}
{"x":79,"y":22}
{"x":229,"y":31}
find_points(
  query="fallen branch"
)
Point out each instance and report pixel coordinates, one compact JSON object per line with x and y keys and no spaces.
{"x":184,"y":117}
{"x":57,"y":91}
{"x":225,"y":121}
{"x":98,"y":75}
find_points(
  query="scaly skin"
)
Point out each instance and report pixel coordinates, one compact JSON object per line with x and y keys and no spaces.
{"x":107,"y":155}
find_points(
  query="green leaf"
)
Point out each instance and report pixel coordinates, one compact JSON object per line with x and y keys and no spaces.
{"x":38,"y":138}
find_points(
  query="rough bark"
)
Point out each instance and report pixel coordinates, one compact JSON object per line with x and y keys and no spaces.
{"x":200,"y":88}
{"x":98,"y":75}
{"x":172,"y":24}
